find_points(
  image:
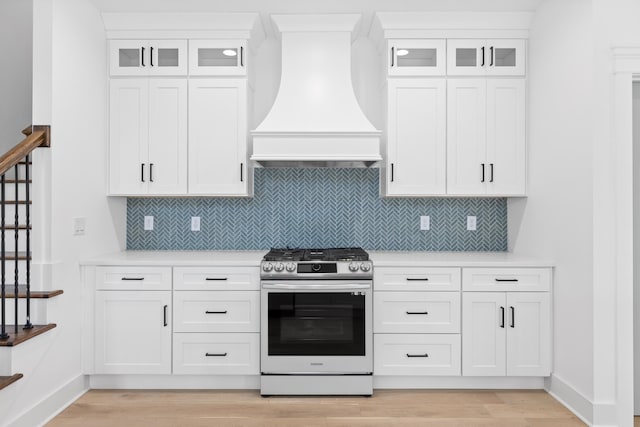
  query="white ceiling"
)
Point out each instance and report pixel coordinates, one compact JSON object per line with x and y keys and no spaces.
{"x":267,"y":7}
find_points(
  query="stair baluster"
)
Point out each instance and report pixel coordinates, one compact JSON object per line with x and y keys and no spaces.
{"x":27,"y":197}
{"x":3,"y":333}
{"x":16,"y":235}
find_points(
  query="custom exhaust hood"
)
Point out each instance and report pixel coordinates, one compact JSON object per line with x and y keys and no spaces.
{"x":315,"y":120}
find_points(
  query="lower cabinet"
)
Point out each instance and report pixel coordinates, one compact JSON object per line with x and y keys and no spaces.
{"x":216,"y":353}
{"x":416,"y":354}
{"x":133,"y":332}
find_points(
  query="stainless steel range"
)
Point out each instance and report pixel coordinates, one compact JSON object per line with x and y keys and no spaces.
{"x":316,"y":322}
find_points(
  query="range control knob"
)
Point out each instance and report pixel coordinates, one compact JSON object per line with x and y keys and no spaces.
{"x":291,"y":267}
{"x":267,"y":267}
{"x":353,"y":266}
{"x":279,"y":267}
{"x":365,"y":266}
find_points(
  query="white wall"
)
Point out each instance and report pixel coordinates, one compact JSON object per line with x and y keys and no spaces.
{"x":636,"y":245}
{"x":556,"y":219}
{"x":78,"y":184}
{"x":15,"y":72}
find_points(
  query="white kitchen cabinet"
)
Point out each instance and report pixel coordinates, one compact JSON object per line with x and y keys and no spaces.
{"x":478,"y":57}
{"x":148,"y":57}
{"x":148,"y":137}
{"x":216,"y":354}
{"x":486,"y":137}
{"x":218,"y":137}
{"x":506,"y":322}
{"x":133,"y":332}
{"x":417,"y":278}
{"x":417,"y":354}
{"x":217,"y":57}
{"x":416,"y":137}
{"x":216,"y":311}
{"x":416,"y":312}
{"x":216,"y":278}
{"x":417,"y":57}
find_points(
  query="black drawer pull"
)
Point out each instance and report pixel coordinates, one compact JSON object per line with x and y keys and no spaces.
{"x":132,"y":278}
{"x":506,"y":280}
{"x":417,"y":355}
{"x":215,"y":354}
{"x":502,"y":317}
{"x":417,"y":312}
{"x":417,"y":279}
{"x":212,"y":279}
{"x":513,"y":317}
{"x":164,"y":311}
{"x":215,"y":312}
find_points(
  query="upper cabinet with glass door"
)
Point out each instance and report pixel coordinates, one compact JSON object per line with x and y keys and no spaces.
{"x":148,"y":57}
{"x":417,"y":58}
{"x":217,"y":57}
{"x":497,"y":57}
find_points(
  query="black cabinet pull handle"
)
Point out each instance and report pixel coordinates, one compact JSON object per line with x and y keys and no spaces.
{"x":241,"y":56}
{"x":132,"y":278}
{"x":482,"y":56}
{"x":215,"y":354}
{"x":491,"y":64}
{"x":165,"y":315}
{"x":417,"y":279}
{"x":151,"y":57}
{"x":513,"y":317}
{"x":502,"y":317}
{"x":215,"y":278}
{"x":482,"y":172}
{"x":417,"y":312}
{"x":151,"y":172}
{"x":393,"y":55}
{"x":417,"y":355}
{"x":142,"y":172}
{"x":391,"y":172}
{"x":215,"y":312}
{"x":491,"y":169}
{"x":142,"y":56}
{"x":241,"y":175}
{"x":505,"y":280}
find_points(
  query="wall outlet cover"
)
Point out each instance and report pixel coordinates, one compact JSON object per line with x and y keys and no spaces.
{"x":472,"y":223}
{"x":148,"y":223}
{"x":425,"y":222}
{"x":195,"y":223}
{"x":79,"y":226}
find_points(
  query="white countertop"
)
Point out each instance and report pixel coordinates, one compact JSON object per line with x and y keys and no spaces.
{"x":379,"y":258}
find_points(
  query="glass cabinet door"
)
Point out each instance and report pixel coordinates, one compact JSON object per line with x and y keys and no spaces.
{"x":168,"y":57}
{"x":217,"y":57}
{"x":498,"y":57}
{"x":506,"y":57}
{"x":127,"y":57}
{"x":466,"y":57}
{"x":417,"y":57}
{"x":148,"y":57}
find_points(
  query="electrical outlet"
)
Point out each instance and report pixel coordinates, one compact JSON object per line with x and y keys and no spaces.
{"x":148,"y":223}
{"x":79,"y":226}
{"x":195,"y":223}
{"x":471,"y":223}
{"x":425,"y":222}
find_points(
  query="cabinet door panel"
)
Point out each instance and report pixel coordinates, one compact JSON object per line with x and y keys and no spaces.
{"x":128,"y":57}
{"x":133,"y":334}
{"x":167,"y":136}
{"x":528,"y":334}
{"x":168,"y":57}
{"x":217,"y":57}
{"x":416,"y":312}
{"x":506,"y":57}
{"x":416,"y":354}
{"x":466,"y":130}
{"x":466,"y":57}
{"x":483,"y":337}
{"x":417,"y":137}
{"x":506,"y":136}
{"x":218,"y":311}
{"x":128,"y":136}
{"x":217,"y":137}
{"x":417,"y":57}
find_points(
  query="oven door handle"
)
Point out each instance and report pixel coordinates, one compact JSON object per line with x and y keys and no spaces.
{"x":317,"y":287}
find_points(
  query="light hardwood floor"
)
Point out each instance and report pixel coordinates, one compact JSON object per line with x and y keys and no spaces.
{"x":133,"y":408}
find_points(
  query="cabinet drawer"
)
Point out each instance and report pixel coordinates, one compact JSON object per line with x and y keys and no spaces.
{"x":506,"y":279}
{"x":216,"y":311}
{"x":216,"y":278}
{"x":133,"y":278}
{"x":216,"y":354}
{"x":416,"y":354}
{"x":416,"y":312}
{"x":416,"y":279}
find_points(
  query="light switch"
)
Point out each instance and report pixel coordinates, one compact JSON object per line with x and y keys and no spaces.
{"x":148,"y":223}
{"x":195,"y":223}
{"x":471,"y":223}
{"x":79,"y":225}
{"x":425,"y":222}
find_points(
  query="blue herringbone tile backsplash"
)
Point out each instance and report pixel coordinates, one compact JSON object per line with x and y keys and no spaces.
{"x":317,"y":208}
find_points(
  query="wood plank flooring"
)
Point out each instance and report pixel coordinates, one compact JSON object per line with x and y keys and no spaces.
{"x":442,"y":408}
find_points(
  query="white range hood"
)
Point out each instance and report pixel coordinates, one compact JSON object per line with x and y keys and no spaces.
{"x":315,"y":119}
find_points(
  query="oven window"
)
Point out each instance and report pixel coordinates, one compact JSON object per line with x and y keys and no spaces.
{"x":316,"y":324}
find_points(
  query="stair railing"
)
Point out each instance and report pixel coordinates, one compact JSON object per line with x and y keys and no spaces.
{"x":19,"y":155}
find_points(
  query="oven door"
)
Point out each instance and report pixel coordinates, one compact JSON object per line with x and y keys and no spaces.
{"x":316,"y":327}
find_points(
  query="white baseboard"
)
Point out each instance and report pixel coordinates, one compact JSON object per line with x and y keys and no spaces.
{"x":571,"y":398}
{"x":433,"y":382}
{"x":43,"y":411}
{"x":168,"y":382}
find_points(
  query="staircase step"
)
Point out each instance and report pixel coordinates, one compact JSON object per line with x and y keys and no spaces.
{"x":13,"y":227}
{"x":22,"y":292}
{"x":20,"y":181}
{"x":24,"y":334}
{"x":20,"y":202}
{"x":7,"y":381}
